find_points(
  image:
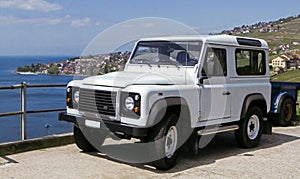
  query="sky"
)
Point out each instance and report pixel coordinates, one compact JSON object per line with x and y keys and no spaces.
{"x":66,"y":27}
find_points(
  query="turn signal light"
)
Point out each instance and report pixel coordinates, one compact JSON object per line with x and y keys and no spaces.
{"x":136,"y":109}
{"x":69,"y":100}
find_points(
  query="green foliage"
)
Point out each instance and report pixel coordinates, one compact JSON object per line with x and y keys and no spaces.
{"x":53,"y":70}
{"x":26,"y":68}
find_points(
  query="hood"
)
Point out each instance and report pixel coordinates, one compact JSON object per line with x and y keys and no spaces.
{"x":124,"y":79}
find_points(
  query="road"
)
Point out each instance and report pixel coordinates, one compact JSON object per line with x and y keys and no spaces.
{"x":276,"y":157}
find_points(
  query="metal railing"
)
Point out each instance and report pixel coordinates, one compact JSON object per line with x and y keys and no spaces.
{"x":23,"y":108}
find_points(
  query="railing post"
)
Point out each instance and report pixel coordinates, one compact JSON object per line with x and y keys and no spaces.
{"x":23,"y":110}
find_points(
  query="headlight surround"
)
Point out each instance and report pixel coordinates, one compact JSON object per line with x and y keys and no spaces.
{"x":131,"y":103}
{"x":72,"y":97}
{"x":69,"y":97}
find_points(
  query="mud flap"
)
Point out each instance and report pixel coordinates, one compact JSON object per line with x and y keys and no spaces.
{"x":267,"y":127}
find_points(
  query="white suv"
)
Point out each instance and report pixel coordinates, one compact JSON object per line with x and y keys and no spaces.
{"x":173,"y":91}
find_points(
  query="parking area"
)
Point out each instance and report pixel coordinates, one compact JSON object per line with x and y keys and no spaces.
{"x":276,"y":157}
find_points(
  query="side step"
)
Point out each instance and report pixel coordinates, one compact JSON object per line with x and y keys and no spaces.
{"x":217,"y":129}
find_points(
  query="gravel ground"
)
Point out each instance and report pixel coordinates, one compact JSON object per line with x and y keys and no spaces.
{"x":276,"y":157}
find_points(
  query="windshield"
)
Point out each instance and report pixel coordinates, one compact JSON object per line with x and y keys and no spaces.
{"x":181,"y":53}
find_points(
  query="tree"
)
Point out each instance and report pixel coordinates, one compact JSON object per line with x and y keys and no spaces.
{"x":25,"y":68}
{"x":53,"y":70}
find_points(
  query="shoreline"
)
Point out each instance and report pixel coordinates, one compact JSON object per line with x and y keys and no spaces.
{"x":48,"y":74}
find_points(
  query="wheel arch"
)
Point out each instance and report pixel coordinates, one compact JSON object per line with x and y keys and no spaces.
{"x":254,"y":100}
{"x":165,"y":106}
{"x":280,"y":99}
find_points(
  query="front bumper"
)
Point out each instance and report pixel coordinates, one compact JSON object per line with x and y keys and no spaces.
{"x":110,"y":126}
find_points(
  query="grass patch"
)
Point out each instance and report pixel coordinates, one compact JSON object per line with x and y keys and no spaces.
{"x":289,"y":76}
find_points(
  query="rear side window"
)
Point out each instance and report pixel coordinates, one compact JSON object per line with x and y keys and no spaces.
{"x":250,"y":62}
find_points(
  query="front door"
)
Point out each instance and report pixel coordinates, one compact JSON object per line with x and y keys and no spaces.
{"x":215,"y":95}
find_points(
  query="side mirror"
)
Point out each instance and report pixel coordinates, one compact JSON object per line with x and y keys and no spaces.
{"x":201,"y":80}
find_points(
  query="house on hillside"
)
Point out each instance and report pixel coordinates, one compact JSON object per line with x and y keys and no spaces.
{"x":281,"y":63}
{"x":285,"y":62}
{"x":296,"y":56}
{"x":296,"y":59}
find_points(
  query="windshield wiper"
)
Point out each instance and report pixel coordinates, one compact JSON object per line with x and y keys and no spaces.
{"x":148,"y":64}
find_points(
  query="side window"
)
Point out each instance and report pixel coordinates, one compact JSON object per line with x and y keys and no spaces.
{"x":215,"y":62}
{"x":250,"y":62}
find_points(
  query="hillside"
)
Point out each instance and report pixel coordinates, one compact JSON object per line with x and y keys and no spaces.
{"x":289,"y":76}
{"x":283,"y":35}
{"x":288,"y":32}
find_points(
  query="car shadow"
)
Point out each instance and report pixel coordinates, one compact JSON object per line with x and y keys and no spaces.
{"x":222,"y":146}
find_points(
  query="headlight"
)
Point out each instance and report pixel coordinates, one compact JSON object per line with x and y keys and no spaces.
{"x":129,"y":103}
{"x":76,"y":97}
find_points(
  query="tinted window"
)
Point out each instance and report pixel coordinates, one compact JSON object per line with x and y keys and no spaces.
{"x":250,"y":62}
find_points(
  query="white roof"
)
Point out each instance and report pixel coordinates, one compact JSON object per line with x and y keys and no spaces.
{"x":279,"y":59}
{"x":212,"y":39}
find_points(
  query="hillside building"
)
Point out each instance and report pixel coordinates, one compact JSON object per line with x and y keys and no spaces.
{"x":281,"y":62}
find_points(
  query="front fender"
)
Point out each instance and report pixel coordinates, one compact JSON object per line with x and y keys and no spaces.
{"x":167,"y":105}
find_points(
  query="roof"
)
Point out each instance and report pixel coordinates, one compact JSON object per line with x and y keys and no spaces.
{"x":212,"y":39}
{"x":279,"y":59}
{"x":297,"y":55}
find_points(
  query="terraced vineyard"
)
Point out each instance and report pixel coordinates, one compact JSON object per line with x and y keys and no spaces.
{"x":288,"y":33}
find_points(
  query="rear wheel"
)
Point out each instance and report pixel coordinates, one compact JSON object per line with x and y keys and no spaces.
{"x":287,"y":112}
{"x":250,"y":129}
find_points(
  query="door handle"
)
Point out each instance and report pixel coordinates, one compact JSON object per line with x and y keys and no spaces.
{"x":226,"y":93}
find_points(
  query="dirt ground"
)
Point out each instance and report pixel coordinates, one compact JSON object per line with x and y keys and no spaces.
{"x":276,"y":157}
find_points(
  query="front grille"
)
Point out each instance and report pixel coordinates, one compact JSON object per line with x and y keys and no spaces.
{"x":98,"y":101}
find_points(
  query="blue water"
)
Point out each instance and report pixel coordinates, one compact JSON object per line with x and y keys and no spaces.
{"x":37,"y":99}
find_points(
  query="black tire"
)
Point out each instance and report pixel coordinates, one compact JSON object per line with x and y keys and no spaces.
{"x":81,"y":141}
{"x":96,"y":137}
{"x":250,"y":128}
{"x":287,"y":112}
{"x":193,"y":144}
{"x":165,"y":160}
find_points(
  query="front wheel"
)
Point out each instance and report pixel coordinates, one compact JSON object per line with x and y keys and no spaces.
{"x":165,"y":138}
{"x":82,"y":139}
{"x":250,"y":129}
